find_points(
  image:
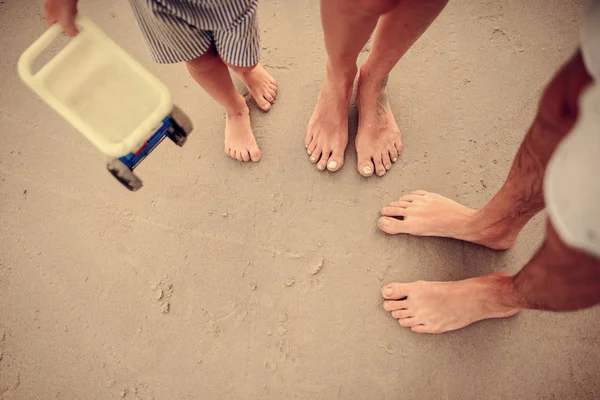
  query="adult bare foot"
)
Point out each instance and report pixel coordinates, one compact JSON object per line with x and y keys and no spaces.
{"x":327,"y":132}
{"x":240,"y":142}
{"x":261,"y":85}
{"x":437,"y":307}
{"x":378,"y":140}
{"x":421,"y":213}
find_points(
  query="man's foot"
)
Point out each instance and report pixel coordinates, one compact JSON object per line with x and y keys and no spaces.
{"x":378,"y":140}
{"x":261,"y":85}
{"x":421,"y":213}
{"x":327,"y":133}
{"x":437,"y":307}
{"x":239,"y":139}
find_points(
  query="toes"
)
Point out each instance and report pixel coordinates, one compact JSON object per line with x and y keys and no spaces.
{"x":272,"y":93}
{"x":269,"y":97}
{"x":394,"y":211}
{"x":261,"y":101}
{"x":322,"y":165}
{"x":335,"y":161}
{"x":387,"y":162}
{"x":400,"y":314}
{"x":308,"y":138}
{"x":264,"y":104}
{"x":411,"y":197}
{"x":392,"y":226}
{"x":393,"y":305}
{"x":315,"y":155}
{"x":394,"y":291}
{"x":401,"y":203}
{"x":255,"y":154}
{"x":245,"y":155}
{"x":379,"y":168}
{"x":420,"y":329}
{"x":312,"y":145}
{"x":366,"y":168}
{"x":393,"y":154}
{"x":408,"y":322}
{"x":333,"y":165}
{"x":398,"y":145}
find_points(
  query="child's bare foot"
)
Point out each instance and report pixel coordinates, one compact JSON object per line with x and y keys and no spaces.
{"x":240,"y":142}
{"x":378,"y":139}
{"x":262,"y":86}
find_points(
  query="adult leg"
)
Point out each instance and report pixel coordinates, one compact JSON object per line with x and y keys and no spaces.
{"x":213,"y":75}
{"x":557,"y":278}
{"x":378,"y":140}
{"x":347,"y":25}
{"x":498,"y":223}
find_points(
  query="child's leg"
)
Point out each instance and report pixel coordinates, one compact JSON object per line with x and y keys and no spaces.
{"x":239,"y":47}
{"x":180,"y":31}
{"x":212,"y":74}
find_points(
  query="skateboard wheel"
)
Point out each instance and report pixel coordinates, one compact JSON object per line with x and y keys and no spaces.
{"x":123,"y":174}
{"x":177,"y":136}
{"x":181,"y":119}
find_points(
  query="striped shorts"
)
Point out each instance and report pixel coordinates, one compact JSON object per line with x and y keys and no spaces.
{"x":181,"y":30}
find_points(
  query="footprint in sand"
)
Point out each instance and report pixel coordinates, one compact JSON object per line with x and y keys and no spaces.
{"x":162,"y":293}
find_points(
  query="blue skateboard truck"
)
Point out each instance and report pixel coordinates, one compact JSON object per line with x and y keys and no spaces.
{"x":175,"y":126}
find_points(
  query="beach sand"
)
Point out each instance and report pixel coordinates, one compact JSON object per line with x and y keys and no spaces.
{"x":202,"y":285}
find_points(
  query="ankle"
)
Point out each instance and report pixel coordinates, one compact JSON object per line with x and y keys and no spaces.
{"x":244,"y":71}
{"x":237,"y":113}
{"x":499,"y":290}
{"x":496,"y":232}
{"x":372,"y":79}
{"x":341,"y":73}
{"x":237,"y":107}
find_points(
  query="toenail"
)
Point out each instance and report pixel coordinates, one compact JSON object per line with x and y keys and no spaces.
{"x":385,"y":222}
{"x":394,"y":159}
{"x":389,"y":291}
{"x":332,"y":164}
{"x":309,"y":152}
{"x":320,"y":167}
{"x":367,"y":170}
{"x":313,"y":159}
{"x":388,"y":166}
{"x":381,"y":173}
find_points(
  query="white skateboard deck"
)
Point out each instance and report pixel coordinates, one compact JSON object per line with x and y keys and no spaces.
{"x":102,"y":91}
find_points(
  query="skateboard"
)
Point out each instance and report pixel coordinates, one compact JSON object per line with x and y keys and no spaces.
{"x":106,"y":95}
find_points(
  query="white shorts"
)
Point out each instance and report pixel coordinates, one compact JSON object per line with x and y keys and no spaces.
{"x":572,"y":182}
